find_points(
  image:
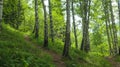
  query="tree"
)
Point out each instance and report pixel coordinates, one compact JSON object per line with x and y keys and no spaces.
{"x":115,"y":39}
{"x":107,"y":21}
{"x":85,"y":45}
{"x":51,"y":21}
{"x":110,"y":27}
{"x":67,"y":34}
{"x":19,"y":12}
{"x":1,"y":7}
{"x":45,"y":25}
{"x":36,"y":26}
{"x":119,"y":14}
{"x":74,"y":24}
{"x":119,"y":22}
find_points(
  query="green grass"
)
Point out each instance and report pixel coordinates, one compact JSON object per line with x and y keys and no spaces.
{"x":117,"y":58}
{"x":16,"y":52}
{"x":78,"y":58}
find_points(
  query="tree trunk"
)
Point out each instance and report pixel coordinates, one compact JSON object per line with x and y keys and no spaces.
{"x":0,"y":25}
{"x":51,"y":21}
{"x":1,"y":8}
{"x":19,"y":11}
{"x":82,"y":48}
{"x":104,"y":3}
{"x":119,"y":14}
{"x":74,"y":25}
{"x":45,"y":26}
{"x":36,"y":27}
{"x":85,"y":45}
{"x":114,"y":29}
{"x":119,"y":23}
{"x":67,"y":34}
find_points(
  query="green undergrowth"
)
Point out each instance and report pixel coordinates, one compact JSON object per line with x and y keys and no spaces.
{"x":78,"y":58}
{"x":117,"y":58}
{"x":16,"y":52}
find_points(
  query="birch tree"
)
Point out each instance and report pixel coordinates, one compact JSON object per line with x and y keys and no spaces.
{"x":45,"y":25}
{"x":85,"y":45}
{"x":74,"y":24}
{"x":51,"y":21}
{"x":67,"y":34}
{"x":36,"y":26}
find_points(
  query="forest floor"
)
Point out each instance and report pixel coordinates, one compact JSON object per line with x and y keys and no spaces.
{"x":57,"y":59}
{"x":113,"y":62}
{"x":23,"y":46}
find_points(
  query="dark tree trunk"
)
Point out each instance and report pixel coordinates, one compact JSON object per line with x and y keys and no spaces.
{"x":81,"y":48}
{"x":119,"y":14}
{"x":45,"y":26}
{"x":19,"y":11}
{"x":0,"y":25}
{"x":74,"y":25}
{"x":67,"y":34}
{"x":51,"y":21}
{"x":119,"y":23}
{"x":1,"y":7}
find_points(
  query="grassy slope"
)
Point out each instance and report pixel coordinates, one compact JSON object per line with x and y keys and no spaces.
{"x":15,"y":52}
{"x":79,"y":58}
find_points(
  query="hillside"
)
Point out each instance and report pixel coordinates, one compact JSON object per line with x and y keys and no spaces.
{"x":59,"y":33}
{"x":21,"y":50}
{"x":16,"y":52}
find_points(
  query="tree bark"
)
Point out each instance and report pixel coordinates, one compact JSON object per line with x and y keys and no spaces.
{"x":19,"y":9}
{"x":67,"y":34}
{"x":1,"y":8}
{"x":85,"y":45}
{"x":114,"y":29}
{"x":106,"y":12}
{"x":45,"y":26}
{"x":74,"y":25}
{"x":51,"y":21}
{"x":119,"y":23}
{"x":0,"y":25}
{"x":119,"y":14}
{"x":36,"y":27}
